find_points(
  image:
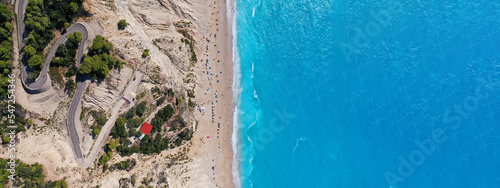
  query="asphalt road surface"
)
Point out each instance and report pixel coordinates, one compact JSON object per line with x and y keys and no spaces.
{"x":71,"y":119}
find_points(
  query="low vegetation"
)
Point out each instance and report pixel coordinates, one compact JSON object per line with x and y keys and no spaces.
{"x":65,"y":62}
{"x":70,"y":85}
{"x":103,"y":160}
{"x":56,"y":76}
{"x":19,"y":120}
{"x":99,"y":122}
{"x":27,"y":176}
{"x":126,"y":165}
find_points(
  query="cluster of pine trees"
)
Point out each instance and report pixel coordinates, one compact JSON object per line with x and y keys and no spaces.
{"x":41,"y":18}
{"x":6,"y":47}
{"x":98,"y":61}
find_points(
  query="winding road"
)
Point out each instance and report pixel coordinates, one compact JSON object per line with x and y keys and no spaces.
{"x":42,"y":79}
{"x":40,"y":85}
{"x":43,"y":83}
{"x":71,"y":119}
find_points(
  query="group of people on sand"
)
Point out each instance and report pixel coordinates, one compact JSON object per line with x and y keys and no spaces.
{"x":211,"y":63}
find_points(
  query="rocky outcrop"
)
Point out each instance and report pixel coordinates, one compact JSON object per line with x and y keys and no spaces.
{"x":100,"y":96}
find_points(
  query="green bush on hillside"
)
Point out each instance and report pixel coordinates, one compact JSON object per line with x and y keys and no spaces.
{"x":122,"y":24}
{"x":98,"y":61}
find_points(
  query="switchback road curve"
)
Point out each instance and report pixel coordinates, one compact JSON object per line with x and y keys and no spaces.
{"x":43,"y":83}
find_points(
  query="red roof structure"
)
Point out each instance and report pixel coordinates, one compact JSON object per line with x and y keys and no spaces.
{"x":146,"y":128}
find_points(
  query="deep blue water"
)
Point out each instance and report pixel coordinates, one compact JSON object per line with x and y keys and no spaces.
{"x":369,"y":93}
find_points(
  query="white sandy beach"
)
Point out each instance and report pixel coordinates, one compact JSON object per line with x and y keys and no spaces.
{"x":219,"y":146}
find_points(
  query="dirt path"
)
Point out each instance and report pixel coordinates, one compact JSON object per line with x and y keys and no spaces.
{"x":169,"y":135}
{"x":158,"y":109}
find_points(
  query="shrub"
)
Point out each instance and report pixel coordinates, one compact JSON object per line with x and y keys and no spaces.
{"x":122,"y":24}
{"x":160,"y":101}
{"x":178,"y":101}
{"x":145,"y":53}
{"x":71,"y":71}
{"x":70,"y":85}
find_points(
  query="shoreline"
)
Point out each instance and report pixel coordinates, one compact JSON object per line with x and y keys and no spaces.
{"x":229,"y":104}
{"x":231,"y":27}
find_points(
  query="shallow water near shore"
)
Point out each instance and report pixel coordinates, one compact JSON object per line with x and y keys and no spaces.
{"x":368,"y":94}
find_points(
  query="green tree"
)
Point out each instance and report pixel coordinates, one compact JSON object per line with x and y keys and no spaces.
{"x":145,"y":53}
{"x":5,"y":14}
{"x":38,"y":25}
{"x":70,"y":85}
{"x":35,"y":62}
{"x":96,"y":131}
{"x":141,"y":108}
{"x":161,"y":117}
{"x":30,"y":51}
{"x":104,"y":158}
{"x":74,"y":39}
{"x":74,"y":7}
{"x":5,"y":139}
{"x":62,"y":51}
{"x":105,"y":167}
{"x":5,"y":50}
{"x":98,"y":61}
{"x":178,"y":101}
{"x":119,"y":128}
{"x":121,"y":121}
{"x":160,"y":101}
{"x":122,"y":24}
{"x":71,"y":71}
{"x":131,"y":112}
{"x":101,"y":120}
{"x":6,"y":65}
{"x":135,"y":122}
{"x":100,"y":45}
{"x":86,"y":66}
{"x":113,"y":143}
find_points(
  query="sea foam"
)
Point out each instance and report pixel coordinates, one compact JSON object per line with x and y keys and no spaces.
{"x":231,"y":17}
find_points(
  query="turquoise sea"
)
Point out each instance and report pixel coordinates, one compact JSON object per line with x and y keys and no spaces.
{"x":376,"y":93}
